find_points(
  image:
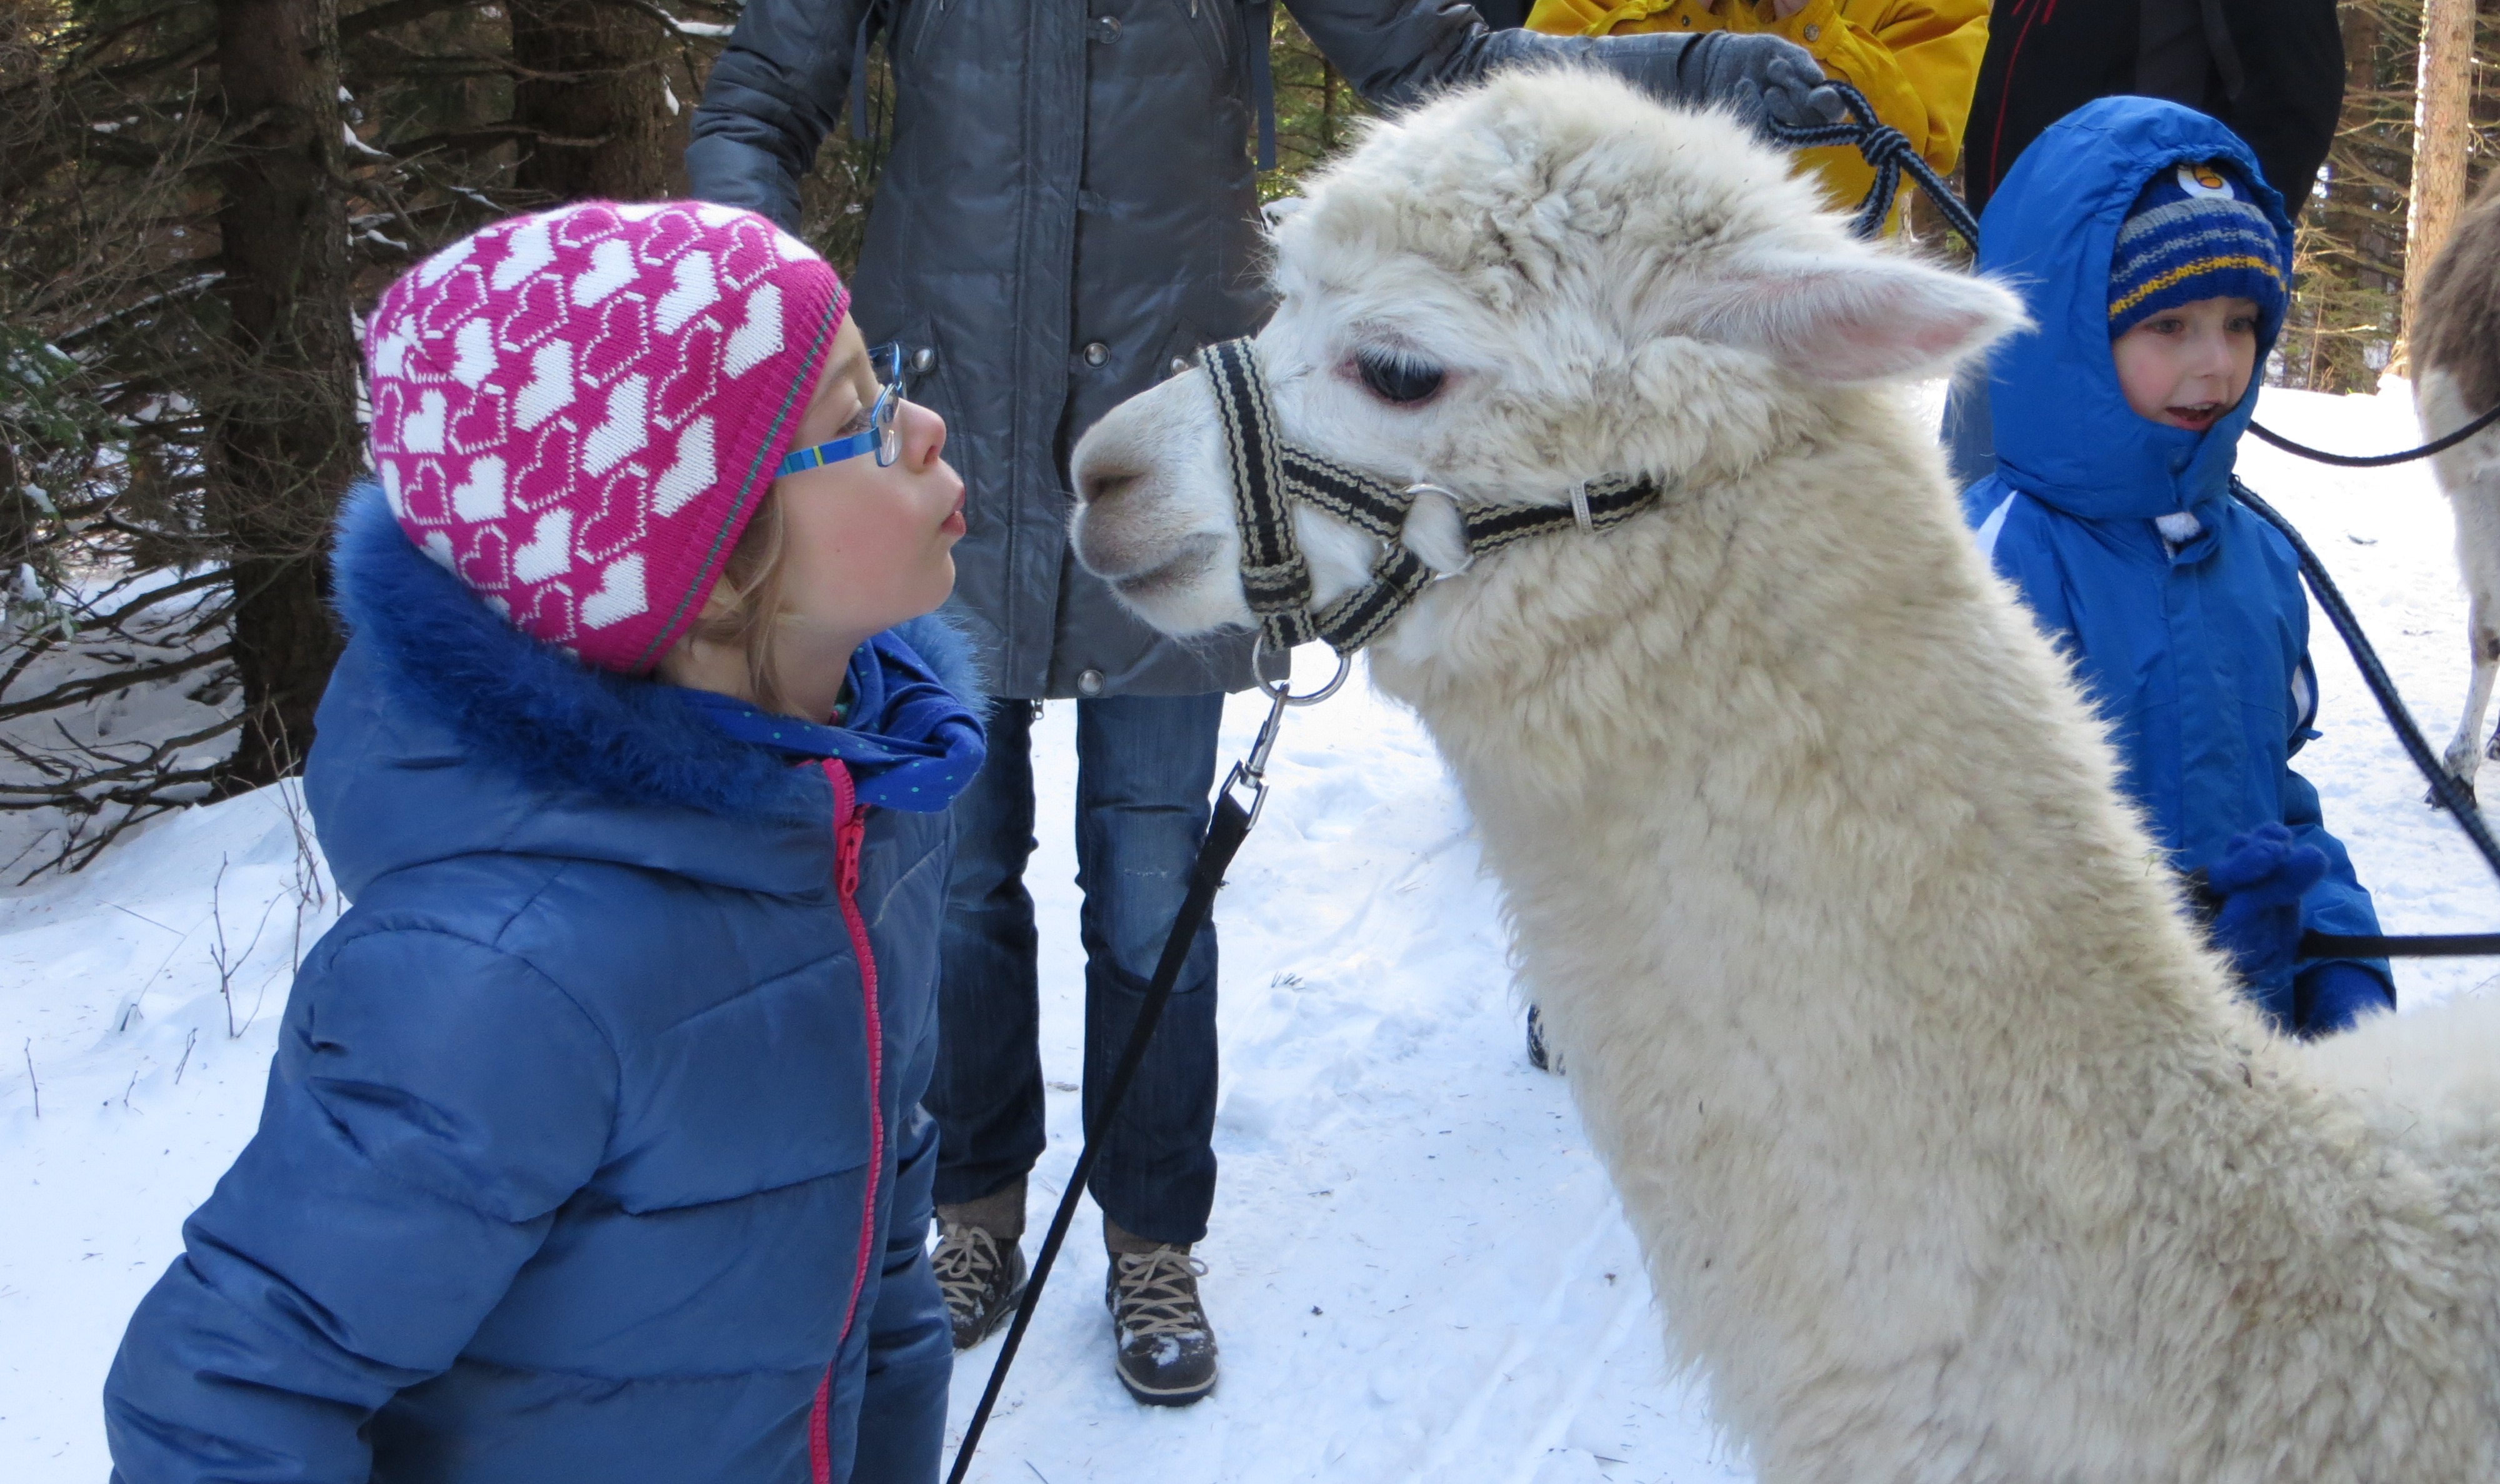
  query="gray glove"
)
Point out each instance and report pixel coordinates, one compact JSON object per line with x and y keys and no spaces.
{"x":1759,"y":79}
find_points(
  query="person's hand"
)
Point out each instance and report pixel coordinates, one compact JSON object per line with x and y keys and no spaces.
{"x":1782,"y":10}
{"x":1756,"y":76}
{"x":2261,"y":878}
{"x":2332,"y":996}
{"x":1762,"y":79}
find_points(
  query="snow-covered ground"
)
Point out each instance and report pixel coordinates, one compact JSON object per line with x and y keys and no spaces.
{"x":1416,"y":1269}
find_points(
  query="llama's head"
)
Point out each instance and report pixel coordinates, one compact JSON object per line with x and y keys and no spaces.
{"x":1511,"y":290}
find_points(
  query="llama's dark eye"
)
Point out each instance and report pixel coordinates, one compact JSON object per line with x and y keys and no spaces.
{"x":1398,"y":379}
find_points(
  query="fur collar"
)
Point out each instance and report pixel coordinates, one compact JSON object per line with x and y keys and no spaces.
{"x":530,"y":709}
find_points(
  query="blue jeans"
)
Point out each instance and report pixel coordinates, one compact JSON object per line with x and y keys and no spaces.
{"x":1145,"y":767}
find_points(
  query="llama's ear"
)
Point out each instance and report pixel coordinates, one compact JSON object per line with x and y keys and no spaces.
{"x":1871,"y":317}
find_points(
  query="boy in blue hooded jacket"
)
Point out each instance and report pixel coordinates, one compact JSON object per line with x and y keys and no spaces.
{"x":2156,"y":260}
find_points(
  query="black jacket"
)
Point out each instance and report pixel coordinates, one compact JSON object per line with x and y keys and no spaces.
{"x":1070,"y":210}
{"x":2270,"y":70}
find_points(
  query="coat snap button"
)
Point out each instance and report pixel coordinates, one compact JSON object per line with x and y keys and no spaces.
{"x":1107,"y":28}
{"x":1814,"y":33}
{"x":924,"y":360}
{"x":1096,"y":353}
{"x":1179,"y":364}
{"x":1090,"y":683}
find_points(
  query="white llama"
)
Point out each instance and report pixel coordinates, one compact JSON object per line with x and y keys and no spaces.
{"x":1952,"y":1153}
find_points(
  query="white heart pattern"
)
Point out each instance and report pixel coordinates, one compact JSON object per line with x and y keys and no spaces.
{"x":759,"y":339}
{"x":549,"y":553}
{"x":622,"y":594}
{"x":550,"y":389}
{"x":696,"y":468}
{"x":627,"y":429}
{"x":527,"y":250}
{"x":474,"y":348}
{"x":430,"y":272}
{"x":697,"y":287}
{"x":611,"y":268}
{"x":421,"y":430}
{"x":481,"y":496}
{"x":390,"y":352}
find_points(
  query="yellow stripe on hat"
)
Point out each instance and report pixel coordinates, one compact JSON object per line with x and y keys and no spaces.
{"x":2187,"y":270}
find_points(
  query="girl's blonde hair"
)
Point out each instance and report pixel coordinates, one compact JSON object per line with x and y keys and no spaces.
{"x":744,"y":610}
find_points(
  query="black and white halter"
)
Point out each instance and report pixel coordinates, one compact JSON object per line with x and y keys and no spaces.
{"x":1271,"y":474}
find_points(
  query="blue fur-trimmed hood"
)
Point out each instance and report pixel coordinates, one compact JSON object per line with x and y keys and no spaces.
{"x":446,"y":731}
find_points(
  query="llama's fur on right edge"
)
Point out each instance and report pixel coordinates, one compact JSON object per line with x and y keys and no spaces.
{"x":2456,"y":373}
{"x":1955,"y":1156}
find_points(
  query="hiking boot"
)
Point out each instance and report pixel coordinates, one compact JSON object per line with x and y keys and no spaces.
{"x":1166,"y":1349}
{"x":979,"y":1263}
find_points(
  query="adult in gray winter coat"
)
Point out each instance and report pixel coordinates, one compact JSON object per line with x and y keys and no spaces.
{"x":1068,"y":214}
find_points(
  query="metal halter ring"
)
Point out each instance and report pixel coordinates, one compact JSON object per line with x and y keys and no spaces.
{"x":1283,"y":697}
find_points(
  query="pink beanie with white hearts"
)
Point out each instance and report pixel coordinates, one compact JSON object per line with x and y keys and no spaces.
{"x":577,"y":411}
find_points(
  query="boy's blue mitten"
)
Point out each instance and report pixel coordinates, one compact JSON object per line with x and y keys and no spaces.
{"x":2261,"y":878}
{"x":2332,"y":996}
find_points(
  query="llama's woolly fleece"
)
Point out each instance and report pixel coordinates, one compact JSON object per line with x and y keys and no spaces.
{"x":1955,"y":1155}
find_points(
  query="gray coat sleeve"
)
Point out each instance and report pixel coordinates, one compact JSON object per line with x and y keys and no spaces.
{"x":774,"y":96}
{"x":1397,"y":51}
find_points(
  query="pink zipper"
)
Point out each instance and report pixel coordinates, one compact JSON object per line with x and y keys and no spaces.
{"x":850,"y":827}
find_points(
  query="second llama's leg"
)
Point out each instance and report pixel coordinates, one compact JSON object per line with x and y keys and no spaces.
{"x":2483,"y":637}
{"x":2470,"y":474}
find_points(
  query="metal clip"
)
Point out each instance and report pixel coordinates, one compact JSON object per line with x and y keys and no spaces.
{"x":1580,"y":507}
{"x":1253,"y":769}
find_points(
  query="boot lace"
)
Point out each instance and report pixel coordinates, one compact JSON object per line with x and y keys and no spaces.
{"x":966,"y":1261}
{"x":1159,"y":1294}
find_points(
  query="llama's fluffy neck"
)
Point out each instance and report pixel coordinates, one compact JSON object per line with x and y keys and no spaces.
{"x":1871,"y":992}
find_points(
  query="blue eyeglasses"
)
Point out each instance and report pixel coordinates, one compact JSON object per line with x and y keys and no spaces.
{"x":882,"y":437}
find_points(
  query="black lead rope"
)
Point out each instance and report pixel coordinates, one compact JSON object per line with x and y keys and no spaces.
{"x":1224,"y":832}
{"x":1890,"y":152}
{"x":1225,"y":829}
{"x":2377,"y":461}
{"x":2444,"y":786}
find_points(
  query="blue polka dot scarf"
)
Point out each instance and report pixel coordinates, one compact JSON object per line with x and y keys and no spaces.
{"x":909,"y":742}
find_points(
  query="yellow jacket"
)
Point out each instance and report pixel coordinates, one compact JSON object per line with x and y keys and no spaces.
{"x":1916,"y":61}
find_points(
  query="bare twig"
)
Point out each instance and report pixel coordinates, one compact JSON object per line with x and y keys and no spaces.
{"x":140,"y":915}
{"x":219,"y":954}
{"x":33,"y":1085}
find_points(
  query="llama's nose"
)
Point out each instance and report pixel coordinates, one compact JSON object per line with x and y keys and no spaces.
{"x":1102,"y":478}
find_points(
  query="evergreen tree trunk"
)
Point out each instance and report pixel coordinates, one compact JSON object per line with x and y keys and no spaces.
{"x":595,"y":90}
{"x":2442,"y":130}
{"x":283,"y":436}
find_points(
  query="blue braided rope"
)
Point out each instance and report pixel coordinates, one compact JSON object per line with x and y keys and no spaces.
{"x":1890,"y":152}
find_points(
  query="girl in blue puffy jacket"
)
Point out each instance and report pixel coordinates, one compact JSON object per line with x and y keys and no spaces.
{"x":592,"y":1148}
{"x":2156,"y":261}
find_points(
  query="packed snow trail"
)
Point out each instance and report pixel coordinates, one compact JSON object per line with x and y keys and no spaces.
{"x":1417,"y":1271}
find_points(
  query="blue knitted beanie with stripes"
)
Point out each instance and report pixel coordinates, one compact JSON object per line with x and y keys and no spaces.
{"x":2195,"y":232}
